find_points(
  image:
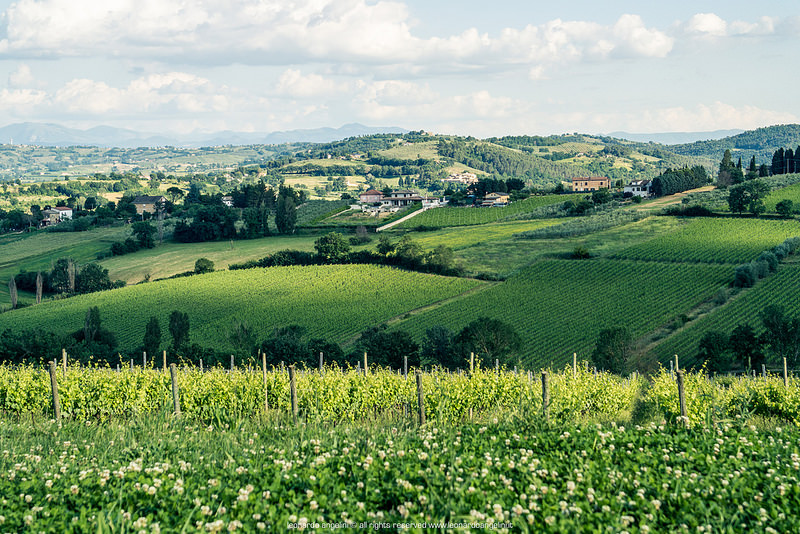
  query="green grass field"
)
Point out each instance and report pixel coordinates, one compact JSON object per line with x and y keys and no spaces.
{"x":412,"y":151}
{"x":791,"y":192}
{"x":40,"y":250}
{"x":710,"y":240}
{"x":464,"y":216}
{"x":335,"y":302}
{"x":171,"y":258}
{"x":503,"y":255}
{"x":559,"y":306}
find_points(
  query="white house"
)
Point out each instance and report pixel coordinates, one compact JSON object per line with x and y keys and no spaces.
{"x":637,"y":188}
{"x":63,"y":212}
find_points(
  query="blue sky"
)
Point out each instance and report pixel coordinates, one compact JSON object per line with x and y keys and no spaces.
{"x":470,"y":68}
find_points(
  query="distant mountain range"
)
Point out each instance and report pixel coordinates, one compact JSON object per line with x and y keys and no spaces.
{"x":675,"y":138}
{"x":45,"y":134}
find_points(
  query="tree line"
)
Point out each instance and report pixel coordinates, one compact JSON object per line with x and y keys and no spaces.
{"x":490,"y":340}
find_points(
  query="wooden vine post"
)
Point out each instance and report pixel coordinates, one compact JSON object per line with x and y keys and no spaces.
{"x":293,"y":393}
{"x":176,"y":401}
{"x":545,"y":398}
{"x":785,"y":375}
{"x":574,"y":364}
{"x":420,"y":399}
{"x":321,"y":363}
{"x":64,"y":361}
{"x":264,"y":373}
{"x":54,"y":389}
{"x":164,"y":355}
{"x":682,"y":396}
{"x":366,"y":369}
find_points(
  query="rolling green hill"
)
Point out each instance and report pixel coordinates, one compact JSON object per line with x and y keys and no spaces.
{"x":335,"y":302}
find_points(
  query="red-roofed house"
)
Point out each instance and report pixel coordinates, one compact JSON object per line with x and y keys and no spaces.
{"x":370,"y":196}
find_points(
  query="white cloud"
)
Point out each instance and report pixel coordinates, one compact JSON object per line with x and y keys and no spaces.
{"x":707,"y":24}
{"x":275,"y":32}
{"x":294,"y":84}
{"x":158,"y":94}
{"x":712,"y":25}
{"x":22,"y":77}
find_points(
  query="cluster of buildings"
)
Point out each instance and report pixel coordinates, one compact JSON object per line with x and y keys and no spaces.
{"x":637,"y":188}
{"x":373,"y":200}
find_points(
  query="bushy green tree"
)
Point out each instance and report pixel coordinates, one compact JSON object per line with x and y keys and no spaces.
{"x":145,"y":234}
{"x":152,"y":337}
{"x":490,"y":340}
{"x":785,"y":208}
{"x":203,"y":265}
{"x":286,"y":210}
{"x":386,"y":348}
{"x":613,"y":350}
{"x":439,"y":348}
{"x":748,"y":196}
{"x":332,"y":247}
{"x":714,"y":351}
{"x":92,"y":277}
{"x":179,"y":330}
{"x":746,"y":347}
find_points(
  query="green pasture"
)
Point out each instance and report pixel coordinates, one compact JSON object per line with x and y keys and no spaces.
{"x":413,"y":151}
{"x":39,"y":250}
{"x":171,"y":258}
{"x":503,"y":255}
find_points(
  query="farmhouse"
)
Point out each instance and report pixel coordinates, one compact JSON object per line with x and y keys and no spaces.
{"x":51,"y":216}
{"x":146,"y":203}
{"x":227,"y":200}
{"x":64,"y":212}
{"x":495,"y":199}
{"x":370,"y":196}
{"x":637,"y":188}
{"x":398,"y":199}
{"x":594,"y":183}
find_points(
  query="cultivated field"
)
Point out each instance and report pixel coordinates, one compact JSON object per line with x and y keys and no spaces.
{"x":709,"y":240}
{"x":463,"y":216}
{"x":559,"y":306}
{"x":335,"y":302}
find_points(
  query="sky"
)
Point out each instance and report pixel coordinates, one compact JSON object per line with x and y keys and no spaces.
{"x":469,"y":68}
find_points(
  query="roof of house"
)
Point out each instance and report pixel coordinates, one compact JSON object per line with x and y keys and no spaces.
{"x":496,"y":195}
{"x":148,"y":199}
{"x":588,"y":179}
{"x":639,"y":183}
{"x":371,"y":192}
{"x":62,"y":208}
